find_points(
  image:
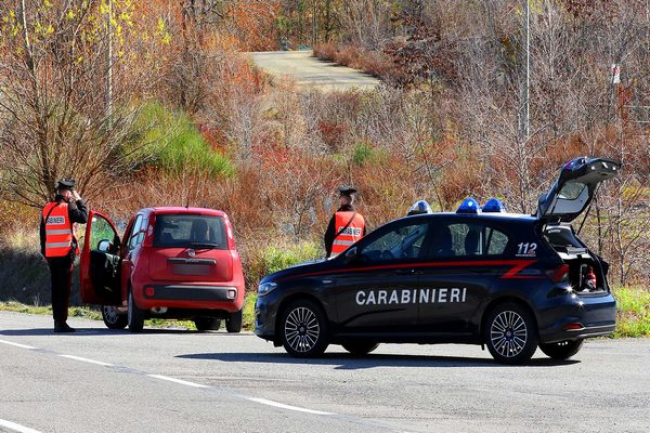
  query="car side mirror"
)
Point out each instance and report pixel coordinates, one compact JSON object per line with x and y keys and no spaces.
{"x":351,"y":254}
{"x":104,"y":245}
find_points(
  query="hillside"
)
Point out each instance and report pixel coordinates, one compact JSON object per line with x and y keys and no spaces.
{"x":150,"y":103}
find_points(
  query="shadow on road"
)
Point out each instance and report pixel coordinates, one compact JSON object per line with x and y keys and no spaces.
{"x":351,"y":362}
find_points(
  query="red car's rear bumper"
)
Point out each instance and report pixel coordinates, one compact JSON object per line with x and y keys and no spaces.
{"x":210,"y":297}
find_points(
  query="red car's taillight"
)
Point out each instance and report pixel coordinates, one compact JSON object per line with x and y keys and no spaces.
{"x":559,"y":274}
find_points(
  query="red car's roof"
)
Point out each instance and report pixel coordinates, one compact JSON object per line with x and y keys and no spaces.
{"x":187,"y":210}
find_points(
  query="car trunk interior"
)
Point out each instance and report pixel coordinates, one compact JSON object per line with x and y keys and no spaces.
{"x":587,"y":272}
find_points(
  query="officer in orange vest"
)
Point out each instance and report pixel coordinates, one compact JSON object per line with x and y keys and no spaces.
{"x":59,"y":246}
{"x":346,"y":226}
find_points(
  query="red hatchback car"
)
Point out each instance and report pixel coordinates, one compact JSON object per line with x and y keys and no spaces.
{"x":171,"y":263}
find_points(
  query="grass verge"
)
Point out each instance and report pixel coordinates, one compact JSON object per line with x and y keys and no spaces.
{"x":93,"y":314}
{"x":633,"y":319}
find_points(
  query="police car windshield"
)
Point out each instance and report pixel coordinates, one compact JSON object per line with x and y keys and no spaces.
{"x":190,"y":231}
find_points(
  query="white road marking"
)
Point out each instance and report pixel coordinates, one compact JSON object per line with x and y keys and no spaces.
{"x":286,"y":406}
{"x":17,"y":427}
{"x":89,"y":361}
{"x":179,"y":381}
{"x":263,"y":401}
{"x":22,"y":346}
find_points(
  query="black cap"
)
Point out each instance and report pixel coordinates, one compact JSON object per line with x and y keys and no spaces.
{"x":66,"y":184}
{"x":347,"y":190}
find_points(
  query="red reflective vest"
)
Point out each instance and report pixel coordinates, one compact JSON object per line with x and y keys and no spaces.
{"x":58,"y":230}
{"x":349,"y":229}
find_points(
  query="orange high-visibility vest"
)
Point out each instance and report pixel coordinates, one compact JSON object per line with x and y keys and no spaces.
{"x":349,"y":229}
{"x":58,"y":230}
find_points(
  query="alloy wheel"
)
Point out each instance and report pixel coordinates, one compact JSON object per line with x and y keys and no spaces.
{"x":110,"y":313}
{"x":508,"y":334}
{"x":302,"y":329}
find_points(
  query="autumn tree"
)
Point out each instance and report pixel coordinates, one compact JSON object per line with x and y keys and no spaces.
{"x":64,"y":103}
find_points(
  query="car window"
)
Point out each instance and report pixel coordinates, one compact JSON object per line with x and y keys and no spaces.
{"x":133,"y":235}
{"x":403,"y":242}
{"x":496,"y":242}
{"x":572,"y":190}
{"x":468,"y":240}
{"x":187,"y":231}
{"x":100,"y":230}
{"x":142,"y":232}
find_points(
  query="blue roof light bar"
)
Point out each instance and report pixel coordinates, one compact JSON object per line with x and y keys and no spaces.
{"x":494,"y":205}
{"x":469,"y":205}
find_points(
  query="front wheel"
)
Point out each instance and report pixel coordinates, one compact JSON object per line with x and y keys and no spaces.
{"x":135,"y":315}
{"x":304,"y":329}
{"x":360,"y":347}
{"x":112,"y":318}
{"x":511,"y":334}
{"x":234,"y":322}
{"x":562,"y":349}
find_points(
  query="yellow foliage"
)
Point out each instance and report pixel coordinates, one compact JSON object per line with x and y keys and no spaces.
{"x":161,"y":26}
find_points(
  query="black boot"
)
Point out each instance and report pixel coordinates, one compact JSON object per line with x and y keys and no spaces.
{"x":62,"y":327}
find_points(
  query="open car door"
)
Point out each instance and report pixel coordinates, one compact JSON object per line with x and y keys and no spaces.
{"x":99,"y":268}
{"x":575,"y":188}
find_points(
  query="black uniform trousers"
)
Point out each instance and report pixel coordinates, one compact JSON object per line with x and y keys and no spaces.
{"x":61,"y":272}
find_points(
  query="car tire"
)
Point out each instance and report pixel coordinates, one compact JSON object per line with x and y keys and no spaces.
{"x":511,"y":333}
{"x":135,"y":316}
{"x":360,"y":347}
{"x":207,"y":323}
{"x":234,"y":322}
{"x":562,"y":349}
{"x":303,"y":329}
{"x":112,"y":318}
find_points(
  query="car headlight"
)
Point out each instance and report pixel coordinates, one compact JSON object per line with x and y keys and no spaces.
{"x":265,"y":288}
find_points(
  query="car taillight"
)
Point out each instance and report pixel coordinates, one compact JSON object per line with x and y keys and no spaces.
{"x":574,"y":326}
{"x":559,"y":274}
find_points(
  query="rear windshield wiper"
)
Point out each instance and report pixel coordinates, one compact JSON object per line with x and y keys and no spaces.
{"x":204,"y":245}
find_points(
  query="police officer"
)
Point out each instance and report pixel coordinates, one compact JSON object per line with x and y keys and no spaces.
{"x":59,"y":246}
{"x":346,"y":226}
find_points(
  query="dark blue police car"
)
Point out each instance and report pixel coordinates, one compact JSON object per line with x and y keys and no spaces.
{"x":477,"y":276}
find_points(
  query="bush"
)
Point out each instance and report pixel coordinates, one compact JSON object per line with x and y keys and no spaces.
{"x":362,"y":153}
{"x":259,"y":262}
{"x":375,"y":63}
{"x":169,"y":141}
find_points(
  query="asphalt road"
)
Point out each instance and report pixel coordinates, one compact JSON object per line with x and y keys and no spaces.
{"x":98,"y":380}
{"x":309,"y":72}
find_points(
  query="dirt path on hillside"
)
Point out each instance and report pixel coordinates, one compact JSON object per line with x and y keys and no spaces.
{"x":310,"y":72}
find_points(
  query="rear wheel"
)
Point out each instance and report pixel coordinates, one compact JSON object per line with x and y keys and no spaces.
{"x":234,"y":322}
{"x":207,"y":323}
{"x":304,"y":329}
{"x":135,"y":316}
{"x":360,"y":347}
{"x":562,"y":349}
{"x":112,"y":318}
{"x":511,"y":334}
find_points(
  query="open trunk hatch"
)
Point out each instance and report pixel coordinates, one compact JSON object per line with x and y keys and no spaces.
{"x":575,"y":187}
